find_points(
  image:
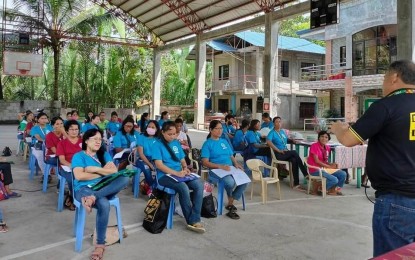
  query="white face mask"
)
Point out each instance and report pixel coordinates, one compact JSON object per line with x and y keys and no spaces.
{"x":151,"y":131}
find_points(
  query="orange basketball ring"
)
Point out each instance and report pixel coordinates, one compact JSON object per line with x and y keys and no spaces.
{"x":23,"y":72}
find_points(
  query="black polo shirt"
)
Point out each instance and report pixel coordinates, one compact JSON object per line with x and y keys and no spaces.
{"x":389,"y":124}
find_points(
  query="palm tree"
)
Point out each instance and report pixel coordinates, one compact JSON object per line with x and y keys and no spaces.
{"x":60,"y":20}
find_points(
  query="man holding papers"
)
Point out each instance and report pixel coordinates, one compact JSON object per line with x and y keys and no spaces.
{"x":217,"y":155}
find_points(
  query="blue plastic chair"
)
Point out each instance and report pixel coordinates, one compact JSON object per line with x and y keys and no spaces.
{"x":61,"y":195}
{"x":221,"y":191}
{"x":48,"y":168}
{"x":32,"y":165}
{"x":172,"y":194}
{"x":79,"y":221}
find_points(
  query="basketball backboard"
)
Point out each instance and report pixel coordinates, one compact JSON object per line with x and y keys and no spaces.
{"x":22,"y":64}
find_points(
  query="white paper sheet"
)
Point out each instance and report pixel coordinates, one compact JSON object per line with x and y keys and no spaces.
{"x":119,"y":155}
{"x":238,"y":175}
{"x":66,"y":168}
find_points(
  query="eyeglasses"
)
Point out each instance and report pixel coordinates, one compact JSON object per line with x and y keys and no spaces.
{"x":73,"y":129}
{"x":130,"y":126}
{"x":97,"y":140}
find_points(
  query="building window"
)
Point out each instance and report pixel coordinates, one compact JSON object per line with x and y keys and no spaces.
{"x":224,"y":72}
{"x":343,"y":56}
{"x":285,"y":68}
{"x":307,"y":110}
{"x":223,"y":105}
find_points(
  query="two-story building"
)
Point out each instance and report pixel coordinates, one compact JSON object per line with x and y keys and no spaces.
{"x":358,"y":51}
{"x":237,"y":76}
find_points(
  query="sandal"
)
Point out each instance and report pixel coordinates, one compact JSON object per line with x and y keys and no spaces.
{"x":298,"y":188}
{"x":98,"y":252}
{"x":196,"y":227}
{"x":88,"y":202}
{"x":231,"y":207}
{"x":14,"y":195}
{"x":3,"y":227}
{"x":232,"y":215}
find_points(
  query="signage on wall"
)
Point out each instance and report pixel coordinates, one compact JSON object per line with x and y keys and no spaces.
{"x":323,"y":12}
{"x":266,"y":106}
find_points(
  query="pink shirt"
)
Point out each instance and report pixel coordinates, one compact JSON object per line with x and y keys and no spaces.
{"x":52,"y":141}
{"x":322,"y":155}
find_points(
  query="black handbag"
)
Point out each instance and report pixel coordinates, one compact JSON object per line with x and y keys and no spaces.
{"x":156,"y":212}
{"x":38,"y":145}
{"x":209,"y":208}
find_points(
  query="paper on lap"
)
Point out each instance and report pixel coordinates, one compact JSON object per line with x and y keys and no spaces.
{"x":238,"y":175}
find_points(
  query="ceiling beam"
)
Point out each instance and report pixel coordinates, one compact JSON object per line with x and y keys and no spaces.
{"x":281,"y":14}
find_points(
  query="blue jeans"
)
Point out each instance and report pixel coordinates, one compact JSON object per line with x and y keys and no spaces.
{"x":229,"y":183}
{"x":147,"y":172}
{"x":392,"y":223}
{"x":52,"y":160}
{"x":68,"y":178}
{"x":332,"y":180}
{"x":102,"y":203}
{"x":191,"y":207}
{"x":1,"y":215}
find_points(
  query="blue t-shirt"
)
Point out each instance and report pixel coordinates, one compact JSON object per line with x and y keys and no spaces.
{"x":279,"y":139}
{"x":162,"y":121}
{"x":124,"y":141}
{"x":253,"y":138}
{"x":88,"y":126}
{"x":113,"y":127}
{"x":238,"y":138}
{"x":147,"y":143}
{"x":217,"y":151}
{"x":42,"y":132}
{"x":270,"y":124}
{"x":81,"y":159}
{"x":160,"y":152}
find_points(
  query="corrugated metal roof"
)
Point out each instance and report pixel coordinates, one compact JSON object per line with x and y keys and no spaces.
{"x":170,"y":20}
{"x":284,"y":42}
{"x":220,"y":46}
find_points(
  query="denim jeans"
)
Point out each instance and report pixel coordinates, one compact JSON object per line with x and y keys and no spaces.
{"x":68,"y":178}
{"x":147,"y":172}
{"x":294,"y":158}
{"x":229,"y":184}
{"x":52,"y":160}
{"x":102,"y":203}
{"x":1,"y":215}
{"x":392,"y":223}
{"x":335,"y":179}
{"x":191,"y":209}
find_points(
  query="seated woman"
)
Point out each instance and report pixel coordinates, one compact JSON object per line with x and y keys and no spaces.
{"x":239,"y":140}
{"x":113,"y":125}
{"x":38,"y":134}
{"x":277,"y":140}
{"x":319,"y":154}
{"x":53,"y":139}
{"x":65,"y":151}
{"x":7,"y":179}
{"x":169,"y":159}
{"x":30,"y":118}
{"x":217,"y":154}
{"x":123,"y":140}
{"x":253,"y":139}
{"x":143,"y":122}
{"x":145,"y":152}
{"x":89,"y":166}
{"x":92,"y":123}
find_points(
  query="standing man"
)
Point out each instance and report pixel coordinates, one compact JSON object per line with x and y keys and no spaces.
{"x":389,"y":124}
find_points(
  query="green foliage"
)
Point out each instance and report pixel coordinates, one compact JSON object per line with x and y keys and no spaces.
{"x":331,"y":113}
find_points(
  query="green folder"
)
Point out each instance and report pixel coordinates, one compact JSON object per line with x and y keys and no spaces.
{"x":109,"y":178}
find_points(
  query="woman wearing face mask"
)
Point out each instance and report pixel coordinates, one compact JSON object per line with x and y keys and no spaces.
{"x":145,"y":151}
{"x":168,"y":156}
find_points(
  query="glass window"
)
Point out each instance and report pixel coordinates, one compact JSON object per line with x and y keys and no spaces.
{"x":224,"y":72}
{"x":343,"y":56}
{"x":285,"y":68}
{"x":307,"y":110}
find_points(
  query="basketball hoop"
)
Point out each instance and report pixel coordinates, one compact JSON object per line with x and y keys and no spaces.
{"x":23,"y":71}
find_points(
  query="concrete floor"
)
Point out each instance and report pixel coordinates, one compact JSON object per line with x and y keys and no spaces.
{"x":297,"y":227}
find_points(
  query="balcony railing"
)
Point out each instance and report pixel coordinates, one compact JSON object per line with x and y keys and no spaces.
{"x":246,"y":83}
{"x":323,"y":72}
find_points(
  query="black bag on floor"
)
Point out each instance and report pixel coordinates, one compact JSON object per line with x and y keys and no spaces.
{"x":7,"y":151}
{"x":156,"y":212}
{"x":209,"y":208}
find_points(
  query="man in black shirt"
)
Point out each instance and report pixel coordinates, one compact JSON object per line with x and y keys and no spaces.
{"x":389,"y":124}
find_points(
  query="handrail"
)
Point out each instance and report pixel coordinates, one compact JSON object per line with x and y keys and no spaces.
{"x":314,"y":121}
{"x":323,"y":72}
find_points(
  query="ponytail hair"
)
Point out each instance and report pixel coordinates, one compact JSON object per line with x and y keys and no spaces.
{"x":254,"y":122}
{"x":166,"y":126}
{"x":101,"y":152}
{"x":212,"y":125}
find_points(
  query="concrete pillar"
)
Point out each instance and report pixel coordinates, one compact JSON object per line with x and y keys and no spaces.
{"x":200,"y":67}
{"x":271,"y":65}
{"x":156,"y":85}
{"x":328,"y":60}
{"x":350,"y":101}
{"x":349,"y":51}
{"x":259,"y":68}
{"x":406,"y":32}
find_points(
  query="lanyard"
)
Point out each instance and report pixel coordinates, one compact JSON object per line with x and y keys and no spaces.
{"x":281,"y":137}
{"x":95,"y":159}
{"x":402,"y":91}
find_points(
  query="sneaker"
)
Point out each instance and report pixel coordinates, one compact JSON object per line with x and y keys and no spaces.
{"x":196,"y":227}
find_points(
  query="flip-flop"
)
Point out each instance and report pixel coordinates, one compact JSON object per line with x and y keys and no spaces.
{"x":3,"y":227}
{"x":14,"y":195}
{"x":231,"y":207}
{"x":232,"y":215}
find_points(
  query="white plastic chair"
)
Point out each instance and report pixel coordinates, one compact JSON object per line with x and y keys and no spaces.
{"x":318,"y":178}
{"x":275,"y":162}
{"x":254,"y":165}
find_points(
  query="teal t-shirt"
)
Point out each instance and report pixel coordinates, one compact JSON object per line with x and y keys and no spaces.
{"x":42,"y":132}
{"x":88,"y":126}
{"x":125,"y":141}
{"x":113,"y":127}
{"x":217,"y":151}
{"x":81,"y":159}
{"x":147,"y":143}
{"x":238,"y":138}
{"x":253,"y":138}
{"x":160,"y":152}
{"x":279,"y":139}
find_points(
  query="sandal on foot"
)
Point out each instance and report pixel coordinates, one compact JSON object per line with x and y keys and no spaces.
{"x":231,"y":207}
{"x":3,"y":227}
{"x":196,"y":227}
{"x":98,"y":252}
{"x":232,"y":215}
{"x":88,"y":202}
{"x":14,"y":195}
{"x":298,"y":188}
